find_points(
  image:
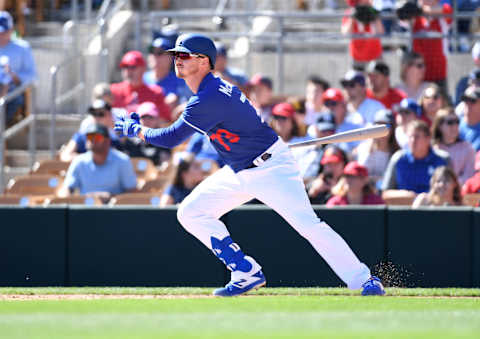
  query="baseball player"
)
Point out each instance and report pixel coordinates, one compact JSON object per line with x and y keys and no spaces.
{"x":259,"y":165}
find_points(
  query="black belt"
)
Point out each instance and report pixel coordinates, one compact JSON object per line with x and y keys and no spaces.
{"x":264,"y":157}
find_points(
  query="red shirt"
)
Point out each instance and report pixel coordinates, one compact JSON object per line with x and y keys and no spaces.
{"x":129,"y":97}
{"x":363,"y":49}
{"x":392,"y":98}
{"x":434,"y":51}
{"x":371,"y":199}
{"x":472,"y":185}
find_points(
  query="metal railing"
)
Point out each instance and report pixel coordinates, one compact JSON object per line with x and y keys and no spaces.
{"x":29,"y":121}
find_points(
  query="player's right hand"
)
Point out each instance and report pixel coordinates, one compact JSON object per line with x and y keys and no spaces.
{"x":128,"y":126}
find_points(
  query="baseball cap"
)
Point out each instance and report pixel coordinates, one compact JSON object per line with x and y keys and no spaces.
{"x":259,"y":79}
{"x":333,"y":94}
{"x":161,"y":43}
{"x":325,"y":122}
{"x":378,"y":66}
{"x":332,"y":154}
{"x":221,"y":49}
{"x":148,"y":108}
{"x":98,"y":104}
{"x":132,"y":58}
{"x":283,"y":109}
{"x":97,"y":129}
{"x":409,"y":104}
{"x":196,"y":44}
{"x":354,"y":168}
{"x":6,"y":21}
{"x":471,"y":93}
{"x":353,"y":76}
{"x":383,"y":116}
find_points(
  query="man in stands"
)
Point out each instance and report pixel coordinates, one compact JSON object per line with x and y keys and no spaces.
{"x":261,"y":95}
{"x":18,"y":65}
{"x":133,"y":91}
{"x":470,"y":122}
{"x":313,"y":98}
{"x":230,"y":74}
{"x":379,"y":85}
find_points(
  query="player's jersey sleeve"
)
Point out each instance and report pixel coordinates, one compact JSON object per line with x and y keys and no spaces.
{"x":200,"y":115}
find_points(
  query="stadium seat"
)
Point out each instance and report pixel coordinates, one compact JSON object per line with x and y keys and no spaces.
{"x":144,"y":168}
{"x":471,"y":199}
{"x":74,"y":200}
{"x":14,"y":199}
{"x":152,"y":199}
{"x":153,"y":186}
{"x":34,"y":185}
{"x":51,"y":166}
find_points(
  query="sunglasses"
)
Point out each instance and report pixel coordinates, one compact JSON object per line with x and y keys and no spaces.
{"x":330,"y":103}
{"x":434,"y":97}
{"x":451,"y":122}
{"x":348,"y":84}
{"x":95,"y":137}
{"x":187,"y":56}
{"x":405,"y":112}
{"x":129,"y":67}
{"x":279,"y":117}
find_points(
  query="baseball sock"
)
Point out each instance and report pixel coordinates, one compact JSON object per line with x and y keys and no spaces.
{"x":230,"y":254}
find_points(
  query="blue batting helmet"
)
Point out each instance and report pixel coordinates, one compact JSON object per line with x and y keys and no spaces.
{"x":198,"y":44}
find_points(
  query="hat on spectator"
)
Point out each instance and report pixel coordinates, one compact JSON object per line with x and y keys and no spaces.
{"x":333,"y":94}
{"x":148,"y":108}
{"x":6,"y":21}
{"x":132,"y":58}
{"x":354,"y":168}
{"x":259,"y":79}
{"x":325,"y":122}
{"x":411,"y":105}
{"x":97,"y":129}
{"x":383,"y":116}
{"x":471,"y":93}
{"x":378,"y":66}
{"x":332,"y":154}
{"x":352,"y":77}
{"x":476,"y":51}
{"x":283,"y":109}
{"x":160,"y":43}
{"x":221,"y":49}
{"x":98,"y":104}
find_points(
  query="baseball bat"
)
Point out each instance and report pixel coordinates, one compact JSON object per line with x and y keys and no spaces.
{"x":363,"y":133}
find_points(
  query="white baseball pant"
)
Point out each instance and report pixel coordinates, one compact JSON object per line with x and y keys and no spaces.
{"x":276,"y":183}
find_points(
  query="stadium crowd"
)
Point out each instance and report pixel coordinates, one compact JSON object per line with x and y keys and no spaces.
{"x":431,"y":155}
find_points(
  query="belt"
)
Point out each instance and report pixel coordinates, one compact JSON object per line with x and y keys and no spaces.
{"x":264,"y":157}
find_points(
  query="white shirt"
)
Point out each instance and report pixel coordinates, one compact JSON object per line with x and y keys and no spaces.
{"x":367,"y":110}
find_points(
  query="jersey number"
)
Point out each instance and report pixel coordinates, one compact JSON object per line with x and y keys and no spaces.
{"x":223,"y":133}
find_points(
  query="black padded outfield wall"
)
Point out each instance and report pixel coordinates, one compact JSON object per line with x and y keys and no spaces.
{"x":133,"y":246}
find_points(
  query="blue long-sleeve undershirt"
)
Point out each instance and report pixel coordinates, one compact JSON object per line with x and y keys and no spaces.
{"x":170,"y":136}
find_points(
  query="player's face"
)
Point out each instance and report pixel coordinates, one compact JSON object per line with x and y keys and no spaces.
{"x":187,"y":64}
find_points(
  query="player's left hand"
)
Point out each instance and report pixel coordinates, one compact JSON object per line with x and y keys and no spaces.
{"x":128,"y":126}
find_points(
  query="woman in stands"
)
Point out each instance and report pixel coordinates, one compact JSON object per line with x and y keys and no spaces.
{"x":412,"y":74}
{"x":445,"y":135}
{"x":444,"y":190}
{"x":432,"y":101}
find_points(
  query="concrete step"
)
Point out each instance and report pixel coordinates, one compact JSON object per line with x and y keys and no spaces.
{"x":21,"y":158}
{"x":12,"y":172}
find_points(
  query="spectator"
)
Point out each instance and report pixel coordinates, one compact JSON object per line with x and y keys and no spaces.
{"x":470,"y":123}
{"x":18,"y":65}
{"x":472,"y":77}
{"x":432,"y":101}
{"x":444,"y":190}
{"x":161,"y":73}
{"x":333,"y":162}
{"x":299,"y":116}
{"x":408,"y":110}
{"x":132,"y":91}
{"x":135,"y":147}
{"x":261,"y":95}
{"x":100,"y":112}
{"x":344,"y":121}
{"x":409,"y":171}
{"x":362,"y":19}
{"x":375,"y":154}
{"x":446,"y":137}
{"x":313,"y":98}
{"x":354,"y":188}
{"x":472,"y":185}
{"x":355,"y":84}
{"x":379,"y":85}
{"x":233,"y":75}
{"x":432,"y":49}
{"x":187,"y":174}
{"x":283,"y":122}
{"x":101,"y":171}
{"x":412,"y":75}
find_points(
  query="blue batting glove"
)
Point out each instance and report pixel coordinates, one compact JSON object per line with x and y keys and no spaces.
{"x":128,"y":126}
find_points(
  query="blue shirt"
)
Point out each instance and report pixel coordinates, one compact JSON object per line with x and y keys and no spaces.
{"x":170,"y":84}
{"x":177,"y":193}
{"x":20,"y":59}
{"x":223,"y":113}
{"x":115,"y":176}
{"x":236,"y":75}
{"x":470,"y":134}
{"x":407,"y":173}
{"x":200,"y":145}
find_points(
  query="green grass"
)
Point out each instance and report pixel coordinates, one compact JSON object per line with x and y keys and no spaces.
{"x":268,"y":313}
